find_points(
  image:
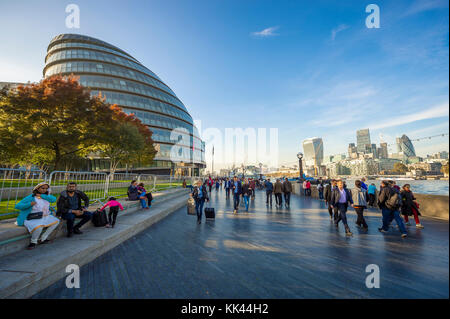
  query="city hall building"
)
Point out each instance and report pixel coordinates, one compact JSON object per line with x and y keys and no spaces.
{"x":124,"y":81}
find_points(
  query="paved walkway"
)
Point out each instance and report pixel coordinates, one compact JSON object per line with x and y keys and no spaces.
{"x":267,"y":253}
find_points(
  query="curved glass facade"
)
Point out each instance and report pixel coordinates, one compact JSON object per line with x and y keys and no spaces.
{"x":405,"y":145}
{"x":122,"y":80}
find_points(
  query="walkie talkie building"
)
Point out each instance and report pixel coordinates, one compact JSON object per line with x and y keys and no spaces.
{"x":124,"y":81}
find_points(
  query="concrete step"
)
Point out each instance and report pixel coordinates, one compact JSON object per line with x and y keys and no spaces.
{"x":14,"y":238}
{"x":27,"y":272}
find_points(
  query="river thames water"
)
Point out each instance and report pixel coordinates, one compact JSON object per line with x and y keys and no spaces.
{"x":436,"y":187}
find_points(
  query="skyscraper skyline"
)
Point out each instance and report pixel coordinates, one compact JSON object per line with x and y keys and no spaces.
{"x":362,"y":139}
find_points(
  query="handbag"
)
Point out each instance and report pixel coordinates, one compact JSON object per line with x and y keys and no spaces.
{"x":37,"y":215}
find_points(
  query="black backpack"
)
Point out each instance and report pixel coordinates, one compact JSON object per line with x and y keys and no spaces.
{"x":394,"y":201}
{"x":99,"y":218}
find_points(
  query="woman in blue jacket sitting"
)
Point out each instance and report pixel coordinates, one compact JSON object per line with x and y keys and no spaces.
{"x":35,"y":214}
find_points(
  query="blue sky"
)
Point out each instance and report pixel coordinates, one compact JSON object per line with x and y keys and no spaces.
{"x":308,"y":68}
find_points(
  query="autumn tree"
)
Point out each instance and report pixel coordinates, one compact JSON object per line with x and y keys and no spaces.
{"x":444,"y":169}
{"x":400,"y":168}
{"x":125,"y":140}
{"x":48,"y":121}
{"x":56,"y":123}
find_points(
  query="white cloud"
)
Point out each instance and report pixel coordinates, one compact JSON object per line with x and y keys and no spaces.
{"x":425,"y":5}
{"x":437,"y":111}
{"x":268,"y":32}
{"x":335,"y":31}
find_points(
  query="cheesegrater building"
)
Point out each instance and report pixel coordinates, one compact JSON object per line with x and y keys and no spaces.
{"x":123,"y":80}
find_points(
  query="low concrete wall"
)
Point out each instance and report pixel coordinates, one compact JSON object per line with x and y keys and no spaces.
{"x":435,"y":206}
{"x":14,"y":238}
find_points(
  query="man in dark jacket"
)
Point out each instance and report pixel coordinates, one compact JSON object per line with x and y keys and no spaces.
{"x":287,"y":190}
{"x":340,"y":198}
{"x":227,"y":187}
{"x":269,"y":189}
{"x":237,"y":191}
{"x":389,"y":213}
{"x":69,"y":207}
{"x":327,"y":195}
{"x":133,"y":193}
{"x":200,"y":195}
{"x":278,"y":190}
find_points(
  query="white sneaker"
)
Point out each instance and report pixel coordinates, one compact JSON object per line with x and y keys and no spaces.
{"x":419,"y":226}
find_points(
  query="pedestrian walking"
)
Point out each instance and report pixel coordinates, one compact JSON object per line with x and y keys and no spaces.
{"x":237,"y":191}
{"x":341,"y":198}
{"x":320,"y":190}
{"x":227,"y":187}
{"x":278,"y":190}
{"x":308,"y":188}
{"x":327,"y":196}
{"x":269,"y":189}
{"x":359,"y":204}
{"x":200,"y":195}
{"x":371,"y":193}
{"x":252,"y":188}
{"x":287,"y":190}
{"x":246,"y":192}
{"x":389,"y":201}
{"x":409,"y":206}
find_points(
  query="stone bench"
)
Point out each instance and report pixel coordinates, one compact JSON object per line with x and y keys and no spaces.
{"x":26,"y":272}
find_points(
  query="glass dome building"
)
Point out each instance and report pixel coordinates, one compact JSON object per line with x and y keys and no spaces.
{"x":405,"y":145}
{"x":124,"y":81}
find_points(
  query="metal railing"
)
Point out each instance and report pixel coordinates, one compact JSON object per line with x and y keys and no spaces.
{"x":15,"y":184}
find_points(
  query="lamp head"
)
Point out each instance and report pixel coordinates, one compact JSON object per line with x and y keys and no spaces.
{"x":299,"y":156}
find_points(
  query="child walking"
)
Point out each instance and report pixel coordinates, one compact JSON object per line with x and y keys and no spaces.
{"x":114,"y":206}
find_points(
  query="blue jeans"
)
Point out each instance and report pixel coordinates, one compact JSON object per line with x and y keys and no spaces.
{"x":236,"y":198}
{"x":246,"y":200}
{"x":388,"y":216}
{"x":143,"y":201}
{"x":199,"y":207}
{"x":320,"y":194}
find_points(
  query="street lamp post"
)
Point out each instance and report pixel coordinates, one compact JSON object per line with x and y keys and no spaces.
{"x":260,"y":170}
{"x":300,"y":165}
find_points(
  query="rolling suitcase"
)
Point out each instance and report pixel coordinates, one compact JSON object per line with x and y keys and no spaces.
{"x":191,"y":206}
{"x":210,"y":213}
{"x":99,"y":218}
